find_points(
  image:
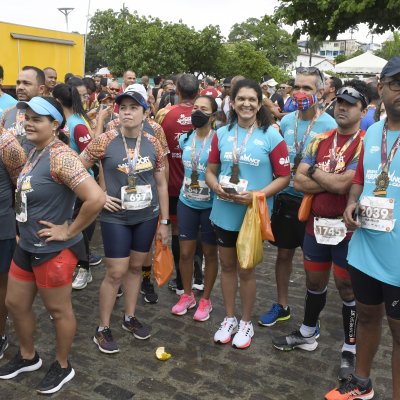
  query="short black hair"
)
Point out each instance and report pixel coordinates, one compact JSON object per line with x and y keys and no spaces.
{"x":157,"y":79}
{"x":1,"y":72}
{"x":89,"y":83}
{"x":373,"y":93}
{"x":74,"y":81}
{"x":336,"y":83}
{"x":210,"y":81}
{"x":68,"y":76}
{"x":188,"y":86}
{"x":290,"y":82}
{"x":361,"y":87}
{"x":40,"y":77}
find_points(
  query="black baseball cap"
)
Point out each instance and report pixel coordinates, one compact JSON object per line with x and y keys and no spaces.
{"x":351,"y":95}
{"x":227,"y":81}
{"x":103,"y":95}
{"x":391,"y":68}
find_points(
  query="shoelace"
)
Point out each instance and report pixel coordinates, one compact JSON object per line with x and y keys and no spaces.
{"x":107,"y":334}
{"x":350,"y":387}
{"x":245,"y":327}
{"x":54,"y":371}
{"x":224,"y":324}
{"x":275,"y":310}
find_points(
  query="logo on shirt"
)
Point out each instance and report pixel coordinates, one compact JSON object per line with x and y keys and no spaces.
{"x":374,"y":149}
{"x":371,"y":175}
{"x":143,"y":164}
{"x":84,"y":139}
{"x":184,"y":120}
{"x":244,"y":159}
{"x":284,"y":161}
{"x":258,"y":142}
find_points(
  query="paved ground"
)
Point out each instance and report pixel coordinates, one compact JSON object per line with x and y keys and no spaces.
{"x":198,"y":369}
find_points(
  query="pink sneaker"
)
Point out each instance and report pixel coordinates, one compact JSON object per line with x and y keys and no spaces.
{"x":185,"y":303}
{"x":203,"y":311}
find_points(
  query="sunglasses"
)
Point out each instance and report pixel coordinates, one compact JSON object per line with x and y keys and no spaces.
{"x":309,"y":71}
{"x":353,"y":93}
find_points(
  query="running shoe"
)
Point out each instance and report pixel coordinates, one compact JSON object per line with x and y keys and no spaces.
{"x":3,"y":345}
{"x":82,"y":278}
{"x":243,"y":337}
{"x":147,"y":290}
{"x":318,"y":330}
{"x":352,"y":390}
{"x":198,"y":285}
{"x":347,"y":365}
{"x":105,"y":341}
{"x":138,"y":330}
{"x":185,"y":303}
{"x":94,"y":259}
{"x":18,"y":364}
{"x":120,"y":292}
{"x":295,"y":340}
{"x":203,"y":310}
{"x":55,"y":378}
{"x":228,"y":327}
{"x":275,"y":314}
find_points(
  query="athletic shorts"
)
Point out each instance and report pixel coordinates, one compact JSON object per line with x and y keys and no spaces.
{"x":371,"y":292}
{"x":7,"y":247}
{"x":287,"y":229}
{"x":173,"y":205}
{"x":225,"y":238}
{"x":120,"y":240}
{"x":192,"y":220}
{"x":52,"y":273}
{"x":319,"y":257}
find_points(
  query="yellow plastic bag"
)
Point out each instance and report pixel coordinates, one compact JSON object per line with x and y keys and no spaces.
{"x":249,"y":245}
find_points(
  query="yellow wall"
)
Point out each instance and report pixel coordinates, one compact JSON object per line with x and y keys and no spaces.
{"x":64,"y":58}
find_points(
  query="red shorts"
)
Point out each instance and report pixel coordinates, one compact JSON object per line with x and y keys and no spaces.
{"x":54,"y":273}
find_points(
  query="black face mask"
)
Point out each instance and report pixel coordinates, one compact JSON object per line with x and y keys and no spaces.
{"x":199,"y":118}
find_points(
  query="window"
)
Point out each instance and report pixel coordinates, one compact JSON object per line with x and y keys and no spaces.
{"x":322,"y":53}
{"x":336,"y":44}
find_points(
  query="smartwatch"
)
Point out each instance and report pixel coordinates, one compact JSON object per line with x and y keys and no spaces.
{"x":312,"y":170}
{"x":165,"y":221}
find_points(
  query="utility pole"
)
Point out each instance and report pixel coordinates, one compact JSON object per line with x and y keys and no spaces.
{"x":66,"y":11}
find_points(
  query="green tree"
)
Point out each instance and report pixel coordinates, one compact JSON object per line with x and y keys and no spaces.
{"x":390,"y":48}
{"x":312,"y":46}
{"x":327,"y":18}
{"x":268,"y":37}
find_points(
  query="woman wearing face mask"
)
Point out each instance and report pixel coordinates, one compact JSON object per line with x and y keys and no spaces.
{"x":247,"y":155}
{"x":137,"y":194}
{"x":194,"y":207}
{"x":50,"y":242}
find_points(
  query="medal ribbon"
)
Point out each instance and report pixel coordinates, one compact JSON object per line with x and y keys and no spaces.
{"x":300,"y":146}
{"x":335,"y":157}
{"x":385,"y":160}
{"x":195,"y":158}
{"x":132,"y":161}
{"x":237,"y":154}
{"x":28,"y":167}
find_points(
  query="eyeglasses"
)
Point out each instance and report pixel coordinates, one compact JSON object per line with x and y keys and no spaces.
{"x":113,"y":89}
{"x":310,"y":71}
{"x":353,"y":93}
{"x":393,"y":85}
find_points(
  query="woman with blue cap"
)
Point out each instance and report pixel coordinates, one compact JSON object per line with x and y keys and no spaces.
{"x":50,"y":242}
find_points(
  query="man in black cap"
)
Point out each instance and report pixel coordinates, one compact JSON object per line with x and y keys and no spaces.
{"x":374,"y":249}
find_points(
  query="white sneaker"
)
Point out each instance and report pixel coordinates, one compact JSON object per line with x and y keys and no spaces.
{"x":244,"y":334}
{"x":226,"y":330}
{"x":82,"y":278}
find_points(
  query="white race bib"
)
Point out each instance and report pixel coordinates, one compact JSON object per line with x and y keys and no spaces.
{"x":22,"y":214}
{"x":136,"y":201}
{"x":329,"y":231}
{"x":239,"y":187}
{"x":377,"y":213}
{"x":198,"y":194}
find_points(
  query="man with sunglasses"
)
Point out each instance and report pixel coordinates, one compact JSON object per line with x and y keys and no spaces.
{"x":374,"y":252}
{"x":327,"y":171}
{"x":298,"y":128}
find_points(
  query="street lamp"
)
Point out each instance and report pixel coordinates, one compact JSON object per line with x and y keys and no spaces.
{"x":86,"y":32}
{"x":66,"y":11}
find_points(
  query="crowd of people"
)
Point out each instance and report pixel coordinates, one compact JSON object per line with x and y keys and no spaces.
{"x":191,"y":154}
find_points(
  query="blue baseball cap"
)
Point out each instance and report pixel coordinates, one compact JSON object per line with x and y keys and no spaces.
{"x":135,"y":96}
{"x":42,"y":107}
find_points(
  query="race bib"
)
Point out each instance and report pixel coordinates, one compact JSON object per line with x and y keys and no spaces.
{"x":198,"y":194}
{"x":136,"y":201}
{"x":329,"y":231}
{"x":377,"y":213}
{"x":232,"y":187}
{"x":21,"y":206}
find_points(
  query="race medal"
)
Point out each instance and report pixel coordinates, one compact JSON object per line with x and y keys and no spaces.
{"x":381,"y":183}
{"x":194,"y":180}
{"x":234,"y":174}
{"x":297,"y":160}
{"x":131,"y":184}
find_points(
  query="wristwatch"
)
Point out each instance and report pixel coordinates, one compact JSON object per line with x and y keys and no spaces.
{"x":312,"y":170}
{"x":165,"y":221}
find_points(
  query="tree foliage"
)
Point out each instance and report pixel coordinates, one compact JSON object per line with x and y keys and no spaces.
{"x":327,"y":18}
{"x":268,"y":37}
{"x":390,"y":48}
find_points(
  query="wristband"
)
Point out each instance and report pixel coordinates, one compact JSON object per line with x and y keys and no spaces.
{"x":165,"y":222}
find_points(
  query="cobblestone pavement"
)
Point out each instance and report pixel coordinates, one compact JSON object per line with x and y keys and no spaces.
{"x":198,"y":369}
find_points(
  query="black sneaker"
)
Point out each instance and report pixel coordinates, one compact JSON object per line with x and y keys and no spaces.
{"x":347,"y":365}
{"x":147,"y":289}
{"x":55,"y":378}
{"x":105,"y":341}
{"x":352,"y":389}
{"x":18,"y":364}
{"x":295,"y":340}
{"x":120,"y":292}
{"x":3,"y":345}
{"x":137,"y":329}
